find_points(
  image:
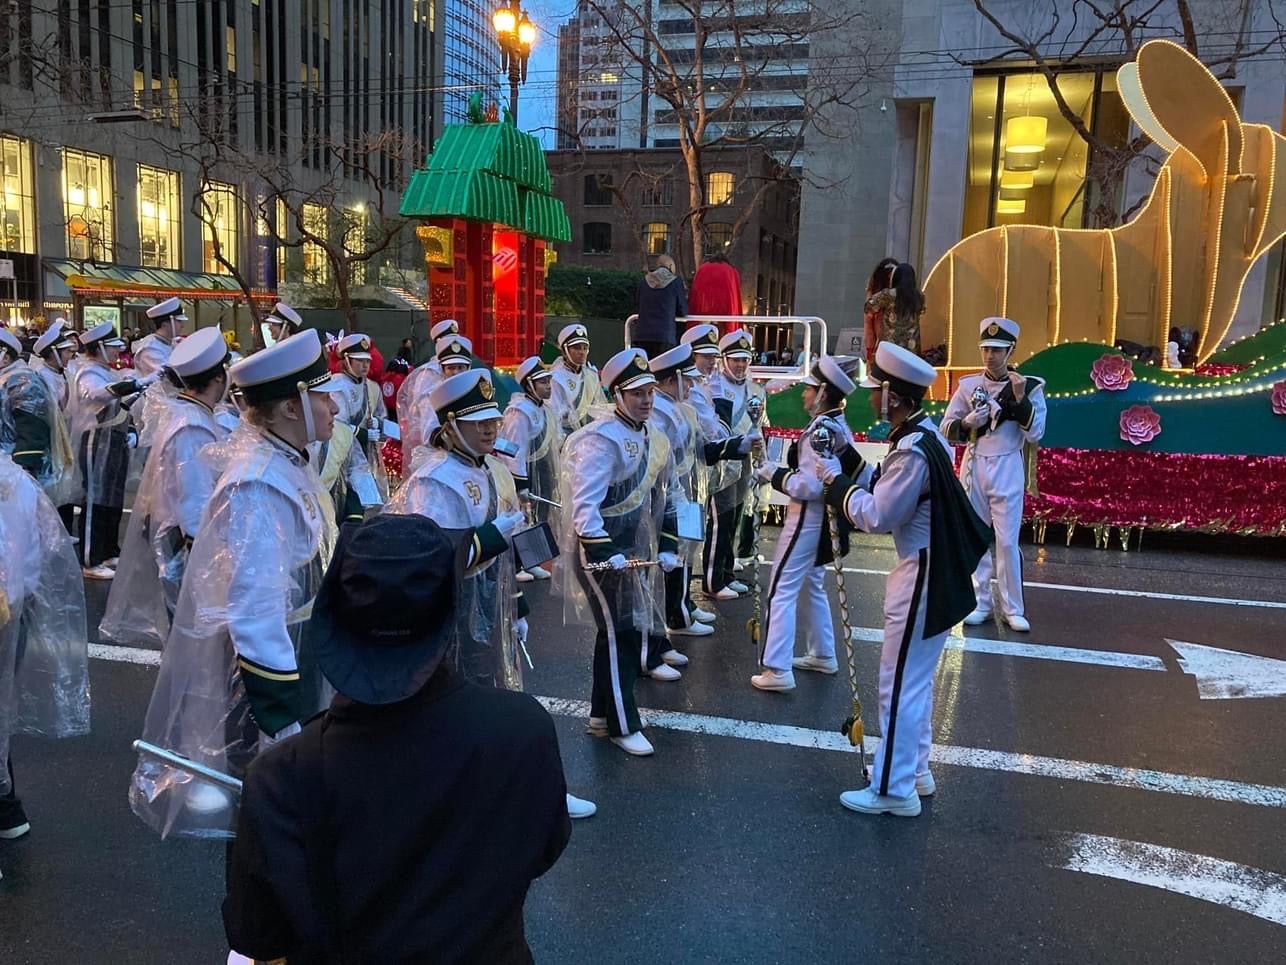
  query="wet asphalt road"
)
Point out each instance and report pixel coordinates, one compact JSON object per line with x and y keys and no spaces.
{"x":727,"y":849}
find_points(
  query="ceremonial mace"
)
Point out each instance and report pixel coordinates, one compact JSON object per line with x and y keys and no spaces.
{"x":980,"y":398}
{"x":852,"y":728}
{"x":755,"y":410}
{"x":629,"y":565}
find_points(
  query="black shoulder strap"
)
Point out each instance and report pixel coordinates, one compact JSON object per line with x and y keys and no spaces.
{"x":319,"y":843}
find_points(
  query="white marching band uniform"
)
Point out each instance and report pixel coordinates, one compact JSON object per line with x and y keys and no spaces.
{"x":533,"y":428}
{"x":361,"y":407}
{"x":577,"y":389}
{"x":414,"y":410}
{"x":995,"y":466}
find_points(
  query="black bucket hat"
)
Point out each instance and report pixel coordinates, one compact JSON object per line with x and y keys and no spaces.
{"x":384,"y":615}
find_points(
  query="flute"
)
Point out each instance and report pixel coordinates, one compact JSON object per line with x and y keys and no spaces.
{"x":541,"y":499}
{"x":227,"y":781}
{"x":629,"y":565}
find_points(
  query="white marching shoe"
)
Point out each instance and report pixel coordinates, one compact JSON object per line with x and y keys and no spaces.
{"x":539,"y":572}
{"x":773,"y":680}
{"x":727,"y":593}
{"x":925,"y":786}
{"x":114,"y":562}
{"x":635,"y":744}
{"x":819,"y":664}
{"x":738,"y":565}
{"x":580,"y":808}
{"x":977,"y":618}
{"x":867,"y":801}
{"x":203,"y":798}
{"x":703,"y":616}
{"x":739,"y":588}
{"x":674,"y":658}
{"x":1017,"y":621}
{"x":525,"y":577}
{"x":100,"y":572}
{"x":693,"y":629}
{"x":664,"y":672}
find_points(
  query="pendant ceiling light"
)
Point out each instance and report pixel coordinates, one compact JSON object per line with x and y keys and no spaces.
{"x":1025,"y":142}
{"x":1017,"y":180}
{"x":1007,"y":206}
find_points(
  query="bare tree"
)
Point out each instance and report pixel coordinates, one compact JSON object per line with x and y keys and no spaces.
{"x":1056,"y":37}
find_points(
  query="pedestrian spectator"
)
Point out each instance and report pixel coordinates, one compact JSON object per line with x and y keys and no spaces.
{"x":407,"y":822}
{"x":661,"y":300}
{"x":896,"y":310}
{"x":406,"y":352}
{"x":787,"y":356}
{"x":716,"y":290}
{"x":881,"y":280}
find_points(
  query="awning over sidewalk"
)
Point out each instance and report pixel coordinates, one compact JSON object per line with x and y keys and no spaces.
{"x":126,"y":281}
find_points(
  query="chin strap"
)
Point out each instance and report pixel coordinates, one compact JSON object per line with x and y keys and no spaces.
{"x":456,"y":439}
{"x":884,"y":402}
{"x":310,"y":425}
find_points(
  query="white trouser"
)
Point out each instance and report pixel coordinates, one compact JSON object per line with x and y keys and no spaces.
{"x":996,"y":491}
{"x":796,"y":590}
{"x":907,"y":666}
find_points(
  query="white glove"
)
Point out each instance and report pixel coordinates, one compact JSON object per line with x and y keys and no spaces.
{"x":618,"y":562}
{"x":508,"y":523}
{"x":131,"y":439}
{"x":267,"y":740}
{"x":669,"y":562}
{"x":373,"y":434}
{"x":147,"y":380}
{"x":749,"y":439}
{"x":520,"y":630}
{"x":828,"y":468}
{"x":766,"y":472}
{"x":976,"y":418}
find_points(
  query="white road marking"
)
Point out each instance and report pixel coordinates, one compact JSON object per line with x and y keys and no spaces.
{"x":1227,"y":674}
{"x":1164,"y":782}
{"x":1013,"y":648}
{"x":1238,"y":886}
{"x":1108,"y":591}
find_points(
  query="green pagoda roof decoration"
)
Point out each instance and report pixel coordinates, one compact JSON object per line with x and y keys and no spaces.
{"x":488,"y":172}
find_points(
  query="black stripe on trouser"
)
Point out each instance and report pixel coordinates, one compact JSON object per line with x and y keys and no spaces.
{"x":720,"y":571}
{"x":776,"y":576}
{"x":908,"y":635}
{"x":676,"y":593}
{"x":629,"y":644}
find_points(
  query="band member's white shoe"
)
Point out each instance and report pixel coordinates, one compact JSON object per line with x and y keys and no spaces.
{"x":525,"y":577}
{"x":867,"y":801}
{"x":977,"y":618}
{"x":925,"y":786}
{"x":539,"y":572}
{"x":674,"y":658}
{"x":580,"y":808}
{"x":205,"y":798}
{"x":703,"y":616}
{"x":694,"y":629}
{"x":727,"y":593}
{"x":635,"y":744}
{"x":818,"y":664}
{"x":1018,"y":622}
{"x":596,"y":727}
{"x":773,"y":680}
{"x":114,"y":562}
{"x":738,"y":566}
{"x":100,"y":572}
{"x":740,"y":588}
{"x":664,"y":672}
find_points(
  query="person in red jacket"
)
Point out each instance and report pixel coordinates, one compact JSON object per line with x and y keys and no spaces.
{"x":716,"y":290}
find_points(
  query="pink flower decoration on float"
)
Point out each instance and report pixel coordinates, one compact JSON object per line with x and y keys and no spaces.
{"x":1279,"y":398}
{"x":1112,"y":373}
{"x":1140,"y":424}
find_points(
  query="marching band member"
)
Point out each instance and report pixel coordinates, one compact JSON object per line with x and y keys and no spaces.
{"x":730,"y":390}
{"x":471,"y":495}
{"x":32,"y":428}
{"x":576,"y":383}
{"x":152,"y":352}
{"x":529,"y":425}
{"x":44,"y":654}
{"x":999,"y":413}
{"x":615,"y":506}
{"x":939,"y":539}
{"x":454,"y":354}
{"x":50,"y":355}
{"x":704,"y":340}
{"x":172,"y":496}
{"x":281,"y":324}
{"x":361,"y":406}
{"x":797,"y":585}
{"x":232,"y":680}
{"x":413,"y":404}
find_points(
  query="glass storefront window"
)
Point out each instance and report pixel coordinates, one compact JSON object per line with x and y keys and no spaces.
{"x":87,"y":205}
{"x":316,"y":268}
{"x":17,"y":196}
{"x":1028,"y":165}
{"x":158,"y":218}
{"x":218,"y":212}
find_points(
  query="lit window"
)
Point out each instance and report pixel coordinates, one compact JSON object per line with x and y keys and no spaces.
{"x":218,"y":214}
{"x":158,"y":218}
{"x":17,"y":201}
{"x":231,"y":38}
{"x":87,"y":195}
{"x":316,"y":268}
{"x":656,"y":238}
{"x":720,"y":186}
{"x":356,"y":225}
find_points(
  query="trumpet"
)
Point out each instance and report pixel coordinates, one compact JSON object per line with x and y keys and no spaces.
{"x":629,"y":565}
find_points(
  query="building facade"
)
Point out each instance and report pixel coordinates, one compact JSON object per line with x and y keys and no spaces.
{"x":471,"y":55}
{"x":628,"y":206}
{"x":139,"y":140}
{"x":931,"y":159}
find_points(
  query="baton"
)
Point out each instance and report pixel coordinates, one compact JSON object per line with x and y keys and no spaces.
{"x":629,"y":565}
{"x":227,"y":781}
{"x":541,"y":499}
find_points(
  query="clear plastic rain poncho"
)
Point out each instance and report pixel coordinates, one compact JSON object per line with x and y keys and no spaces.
{"x":44,"y":651}
{"x":167,"y":510}
{"x":537,"y":431}
{"x":248,"y":593}
{"x":99,"y":427}
{"x":678,"y":420}
{"x":632,"y":511}
{"x":731,"y":480}
{"x":460,"y":496}
{"x":29,"y":412}
{"x":345,"y":473}
{"x":361,"y":407}
{"x":415,"y":414}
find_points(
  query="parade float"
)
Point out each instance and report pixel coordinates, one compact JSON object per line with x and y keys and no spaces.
{"x":1131,"y":446}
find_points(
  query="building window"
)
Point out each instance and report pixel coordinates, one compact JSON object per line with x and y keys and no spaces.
{"x":718,"y":237}
{"x":87,"y":197}
{"x":218,"y":214}
{"x":17,"y":198}
{"x":158,"y":218}
{"x":316,"y":268}
{"x":656,"y":238}
{"x":720,"y":186}
{"x":598,"y":190}
{"x":658,"y":192}
{"x":356,"y":228}
{"x":596,"y":239}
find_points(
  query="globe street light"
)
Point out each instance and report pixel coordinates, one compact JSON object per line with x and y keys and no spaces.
{"x":517,"y":34}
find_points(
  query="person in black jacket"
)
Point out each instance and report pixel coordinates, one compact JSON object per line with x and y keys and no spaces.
{"x":408,"y":821}
{"x":661,"y":301}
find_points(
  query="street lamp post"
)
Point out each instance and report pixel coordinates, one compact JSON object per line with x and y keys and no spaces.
{"x":516,"y":33}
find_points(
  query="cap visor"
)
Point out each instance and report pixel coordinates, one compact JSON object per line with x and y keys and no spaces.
{"x":706,"y":350}
{"x":332,"y":384}
{"x":358,"y":355}
{"x":810,"y":380}
{"x":482,"y":415}
{"x":738,"y":354}
{"x":575,"y":341}
{"x":868,"y":382}
{"x":995,"y":343}
{"x":637,"y":382}
{"x":537,"y":376}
